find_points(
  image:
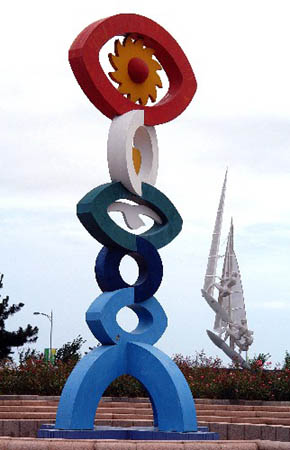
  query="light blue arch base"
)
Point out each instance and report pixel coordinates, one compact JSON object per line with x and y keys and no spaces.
{"x":171,"y":398}
{"x":172,"y":402}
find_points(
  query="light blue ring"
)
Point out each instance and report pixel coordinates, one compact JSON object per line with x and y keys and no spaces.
{"x":101,"y":318}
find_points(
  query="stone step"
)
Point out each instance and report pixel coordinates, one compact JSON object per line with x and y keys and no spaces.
{"x":123,"y":416}
{"x":137,"y":411}
{"x":211,"y":416}
{"x":29,"y":402}
{"x":28,"y":428}
{"x":124,"y":422}
{"x":140,"y":405}
{"x":249,"y":420}
{"x":53,"y":409}
{"x":30,"y":413}
{"x":244,"y":431}
{"x":127,"y":399}
{"x":132,"y":417}
{"x":242,"y":408}
{"x":125,"y":405}
{"x":32,"y":397}
{"x":272,"y":414}
{"x":39,"y":409}
{"x":43,"y":410}
{"x":26,"y":415}
{"x":243,"y":413}
{"x":122,"y":404}
{"x":272,"y":408}
{"x":103,"y":444}
{"x":214,"y":419}
{"x":223,"y":402}
{"x":99,"y":416}
{"x":262,"y":420}
{"x":226,"y":413}
{"x":198,"y":401}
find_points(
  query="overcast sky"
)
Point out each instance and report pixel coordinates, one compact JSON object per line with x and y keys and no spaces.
{"x":54,"y":151}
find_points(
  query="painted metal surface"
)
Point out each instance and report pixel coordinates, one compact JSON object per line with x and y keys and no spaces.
{"x":124,"y":130}
{"x":150,"y":269}
{"x":230,"y":319}
{"x":233,"y":303}
{"x":131,"y":434}
{"x":210,"y":275}
{"x":92,"y":211}
{"x":85,"y":63}
{"x":133,"y":166}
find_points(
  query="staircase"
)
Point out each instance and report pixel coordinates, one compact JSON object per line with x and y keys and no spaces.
{"x":23,"y":415}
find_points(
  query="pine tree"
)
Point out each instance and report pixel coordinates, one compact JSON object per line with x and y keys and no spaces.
{"x":9,"y":339}
{"x":70,"y":351}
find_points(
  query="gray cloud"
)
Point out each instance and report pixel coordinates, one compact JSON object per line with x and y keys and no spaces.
{"x":54,"y":151}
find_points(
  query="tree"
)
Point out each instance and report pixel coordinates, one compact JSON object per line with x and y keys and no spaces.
{"x":9,"y":339}
{"x":286,"y":364}
{"x":70,"y":351}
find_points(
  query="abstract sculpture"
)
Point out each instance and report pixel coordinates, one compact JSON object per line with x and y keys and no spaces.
{"x":133,"y":165}
{"x":230,"y":308}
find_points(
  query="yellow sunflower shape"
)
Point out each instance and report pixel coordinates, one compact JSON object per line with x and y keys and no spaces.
{"x":135,"y":70}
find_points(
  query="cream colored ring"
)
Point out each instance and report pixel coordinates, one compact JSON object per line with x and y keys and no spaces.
{"x":126,"y":131}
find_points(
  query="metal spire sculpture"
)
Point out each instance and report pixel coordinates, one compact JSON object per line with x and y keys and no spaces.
{"x":215,"y":243}
{"x":230,"y":320}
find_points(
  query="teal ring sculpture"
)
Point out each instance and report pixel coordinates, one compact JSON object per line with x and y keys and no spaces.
{"x":92,"y":212}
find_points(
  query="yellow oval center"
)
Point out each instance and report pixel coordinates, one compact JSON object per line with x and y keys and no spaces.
{"x":137,"y":159}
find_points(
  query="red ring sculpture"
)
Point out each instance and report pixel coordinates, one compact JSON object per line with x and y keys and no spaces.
{"x":84,"y":61}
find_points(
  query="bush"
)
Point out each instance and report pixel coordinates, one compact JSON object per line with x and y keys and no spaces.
{"x":126,"y":386}
{"x":259,"y":361}
{"x":205,"y":375}
{"x":34,"y":376}
{"x":207,"y":379}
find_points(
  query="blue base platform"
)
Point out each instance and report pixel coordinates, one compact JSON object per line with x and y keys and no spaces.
{"x":131,"y":433}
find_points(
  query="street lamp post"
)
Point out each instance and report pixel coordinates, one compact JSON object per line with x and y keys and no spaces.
{"x":50,"y":318}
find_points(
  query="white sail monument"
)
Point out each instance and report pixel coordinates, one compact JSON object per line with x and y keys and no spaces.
{"x":230,"y":325}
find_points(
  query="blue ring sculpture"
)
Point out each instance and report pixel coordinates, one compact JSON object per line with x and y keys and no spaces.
{"x":150,"y":269}
{"x":132,"y":151}
{"x":122,"y":352}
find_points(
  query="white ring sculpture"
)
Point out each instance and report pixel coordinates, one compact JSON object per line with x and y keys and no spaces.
{"x":125,"y":132}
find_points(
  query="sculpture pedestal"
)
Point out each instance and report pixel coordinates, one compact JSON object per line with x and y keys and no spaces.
{"x":132,"y":433}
